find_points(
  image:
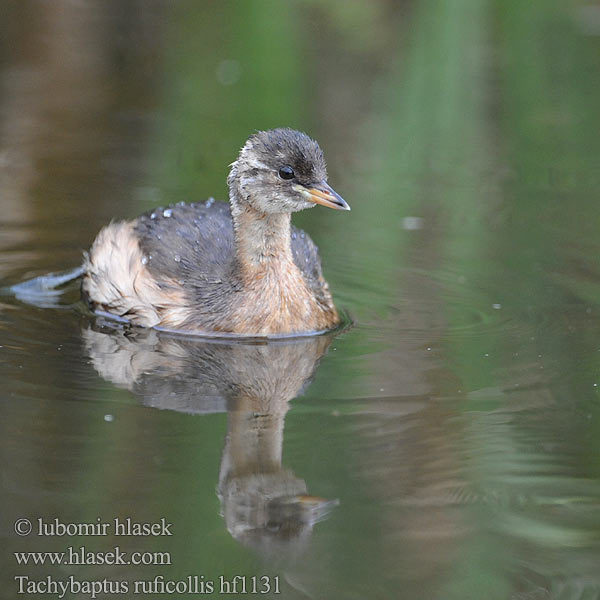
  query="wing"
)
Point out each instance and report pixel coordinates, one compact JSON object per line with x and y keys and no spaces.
{"x":194,"y":243}
{"x":188,"y":242}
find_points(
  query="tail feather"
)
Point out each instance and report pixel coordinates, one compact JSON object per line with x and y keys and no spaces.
{"x":45,"y":290}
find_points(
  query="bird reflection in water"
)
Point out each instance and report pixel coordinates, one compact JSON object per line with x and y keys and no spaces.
{"x":264,"y":505}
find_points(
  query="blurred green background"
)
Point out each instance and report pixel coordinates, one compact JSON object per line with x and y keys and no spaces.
{"x":458,"y":421}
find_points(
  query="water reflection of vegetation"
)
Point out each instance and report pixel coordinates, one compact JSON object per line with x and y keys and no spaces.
{"x":479,"y":116}
{"x":439,"y":131}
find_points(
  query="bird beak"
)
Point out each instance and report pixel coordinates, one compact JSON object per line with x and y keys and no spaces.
{"x":323,"y":194}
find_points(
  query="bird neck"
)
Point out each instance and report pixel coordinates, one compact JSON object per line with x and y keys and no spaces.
{"x":262,"y":240}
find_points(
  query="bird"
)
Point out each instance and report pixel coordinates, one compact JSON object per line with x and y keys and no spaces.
{"x":213,"y":268}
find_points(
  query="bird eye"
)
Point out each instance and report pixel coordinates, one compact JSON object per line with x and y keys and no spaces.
{"x":286,"y":172}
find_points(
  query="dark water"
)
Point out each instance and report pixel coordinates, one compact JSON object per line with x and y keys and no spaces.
{"x":448,"y":444}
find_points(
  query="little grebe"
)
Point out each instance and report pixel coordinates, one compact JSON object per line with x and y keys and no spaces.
{"x":213,"y":268}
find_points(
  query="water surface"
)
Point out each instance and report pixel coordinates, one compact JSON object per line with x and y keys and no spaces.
{"x":446,"y":445}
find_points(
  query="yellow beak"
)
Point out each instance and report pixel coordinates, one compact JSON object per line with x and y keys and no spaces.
{"x":323,"y":194}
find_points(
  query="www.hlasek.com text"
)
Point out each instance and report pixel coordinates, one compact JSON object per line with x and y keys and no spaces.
{"x":82,"y":556}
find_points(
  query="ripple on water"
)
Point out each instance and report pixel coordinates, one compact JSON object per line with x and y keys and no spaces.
{"x":445,"y":304}
{"x":435,"y":476}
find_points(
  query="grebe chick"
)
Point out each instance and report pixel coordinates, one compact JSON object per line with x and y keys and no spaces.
{"x":213,"y":268}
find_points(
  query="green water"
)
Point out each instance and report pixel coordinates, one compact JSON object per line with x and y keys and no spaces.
{"x":447,"y":446}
